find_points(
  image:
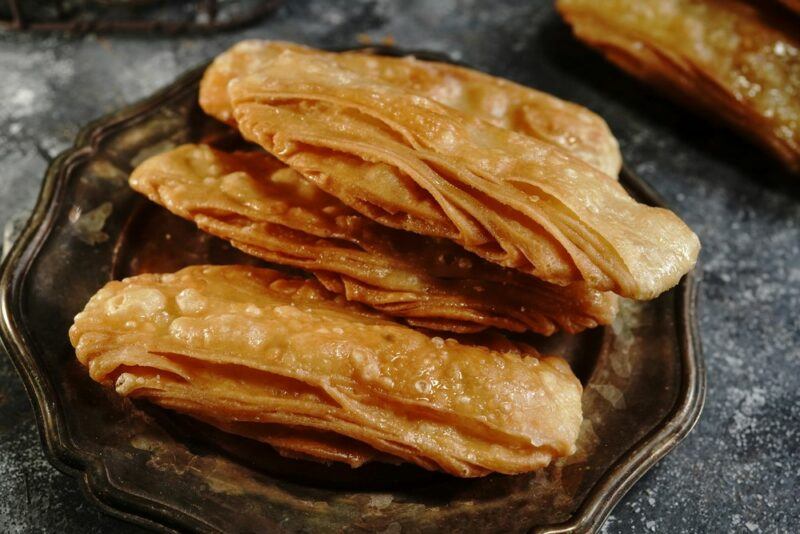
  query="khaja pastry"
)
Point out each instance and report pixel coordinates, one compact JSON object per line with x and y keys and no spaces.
{"x":409,"y":162}
{"x":268,"y":210}
{"x":501,"y":102}
{"x":736,"y":60}
{"x":410,"y":189}
{"x":282,"y":360}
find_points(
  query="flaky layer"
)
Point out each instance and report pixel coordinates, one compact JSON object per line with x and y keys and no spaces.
{"x":730,"y":58}
{"x":238,"y":345}
{"x":501,"y":102}
{"x":271,"y":212}
{"x":409,"y":162}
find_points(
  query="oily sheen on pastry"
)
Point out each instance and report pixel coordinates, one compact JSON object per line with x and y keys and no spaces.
{"x":270,"y":211}
{"x":410,"y":162}
{"x":281,"y":359}
{"x":737,"y":60}
{"x":501,"y":102}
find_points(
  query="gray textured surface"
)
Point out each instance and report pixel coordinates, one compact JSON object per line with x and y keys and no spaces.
{"x":738,"y":471}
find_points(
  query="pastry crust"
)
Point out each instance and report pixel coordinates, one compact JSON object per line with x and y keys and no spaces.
{"x":409,"y":162}
{"x":501,"y":102}
{"x":245,"y":348}
{"x":732,"y":59}
{"x":268,"y":210}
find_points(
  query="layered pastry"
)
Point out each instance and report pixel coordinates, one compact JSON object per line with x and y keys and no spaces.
{"x":501,"y":102}
{"x":408,"y":189}
{"x":736,"y":60}
{"x":268,"y":210}
{"x":282,"y":360}
{"x":410,"y":162}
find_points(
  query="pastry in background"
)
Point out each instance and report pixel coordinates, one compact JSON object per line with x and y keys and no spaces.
{"x":409,"y":162}
{"x":270,"y":211}
{"x":736,"y":60}
{"x":501,"y":102}
{"x":280,"y":359}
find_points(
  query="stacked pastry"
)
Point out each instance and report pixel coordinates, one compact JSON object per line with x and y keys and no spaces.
{"x":422,"y":197}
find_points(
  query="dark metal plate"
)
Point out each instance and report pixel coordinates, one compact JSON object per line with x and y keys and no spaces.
{"x":132,"y":16}
{"x":643,"y":376}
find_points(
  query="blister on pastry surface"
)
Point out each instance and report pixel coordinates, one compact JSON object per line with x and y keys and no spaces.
{"x":246,"y":346}
{"x":409,"y":162}
{"x":270,"y":211}
{"x":735,"y":60}
{"x":501,"y":102}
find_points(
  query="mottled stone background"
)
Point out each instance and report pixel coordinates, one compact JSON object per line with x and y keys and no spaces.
{"x":738,"y":471}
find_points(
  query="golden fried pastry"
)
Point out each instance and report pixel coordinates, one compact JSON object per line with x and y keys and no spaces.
{"x":251,"y":349}
{"x":268,"y":210}
{"x":501,"y":102}
{"x":290,"y":441}
{"x":409,"y":162}
{"x":729,"y":58}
